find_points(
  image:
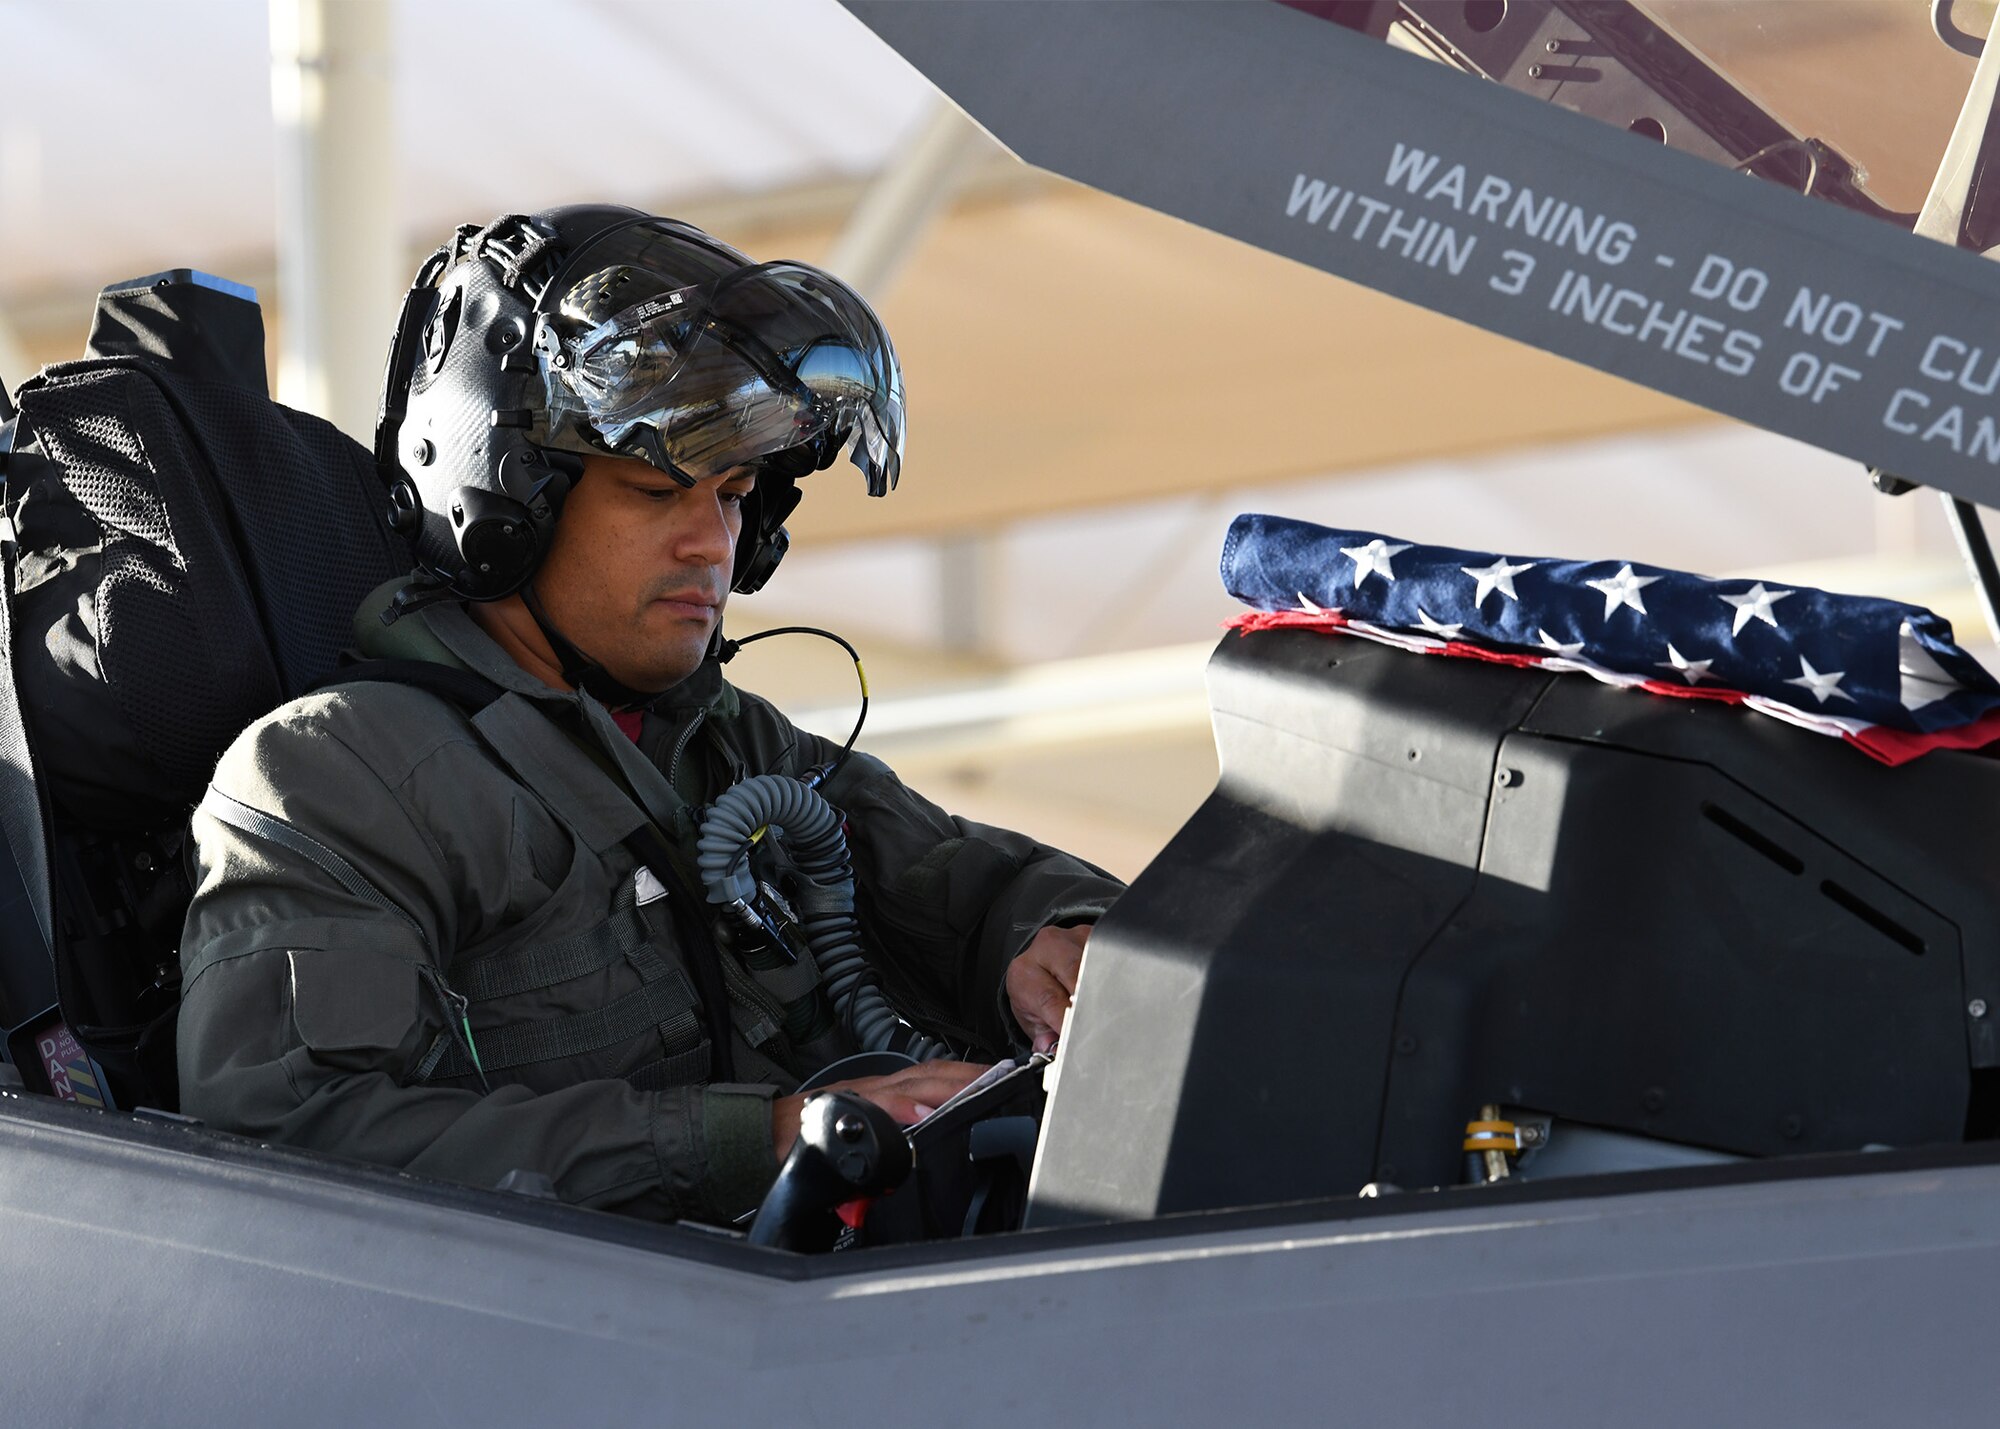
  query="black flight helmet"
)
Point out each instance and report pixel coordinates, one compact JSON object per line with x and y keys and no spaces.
{"x":539,"y":339}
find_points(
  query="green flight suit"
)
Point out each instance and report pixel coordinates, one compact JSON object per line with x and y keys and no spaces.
{"x":318,"y":1015}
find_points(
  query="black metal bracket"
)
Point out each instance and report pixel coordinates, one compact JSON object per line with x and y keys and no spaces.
{"x":1977,"y":550}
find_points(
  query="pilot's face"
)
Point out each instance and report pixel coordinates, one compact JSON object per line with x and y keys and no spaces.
{"x":639,"y":567}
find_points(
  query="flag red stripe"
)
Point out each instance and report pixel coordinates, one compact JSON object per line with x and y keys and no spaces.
{"x":1900,"y":746}
{"x":1878,"y":742}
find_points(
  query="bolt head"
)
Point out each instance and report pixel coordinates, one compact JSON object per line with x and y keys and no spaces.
{"x":507,"y":336}
{"x":850,"y":1127}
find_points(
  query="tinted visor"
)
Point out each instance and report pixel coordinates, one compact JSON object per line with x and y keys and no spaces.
{"x":702,"y":378}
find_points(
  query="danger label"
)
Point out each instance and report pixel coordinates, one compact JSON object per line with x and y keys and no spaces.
{"x":72,"y":1075}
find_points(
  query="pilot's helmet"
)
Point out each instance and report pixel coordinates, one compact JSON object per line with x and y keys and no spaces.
{"x":543,"y":338}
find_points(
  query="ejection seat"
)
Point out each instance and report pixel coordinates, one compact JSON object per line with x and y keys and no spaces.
{"x":181,"y":555}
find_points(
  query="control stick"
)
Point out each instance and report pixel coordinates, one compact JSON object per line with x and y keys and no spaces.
{"x":848,"y":1148}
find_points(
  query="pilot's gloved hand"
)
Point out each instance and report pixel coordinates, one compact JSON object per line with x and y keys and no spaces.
{"x":909,"y":1095}
{"x":1042,"y":980}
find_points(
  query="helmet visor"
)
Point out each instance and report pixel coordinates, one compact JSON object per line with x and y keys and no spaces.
{"x":705,"y":378}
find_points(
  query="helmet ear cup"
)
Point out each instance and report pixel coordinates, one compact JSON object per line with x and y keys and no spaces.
{"x":760,"y":562}
{"x":764,"y":540}
{"x":499,"y":543}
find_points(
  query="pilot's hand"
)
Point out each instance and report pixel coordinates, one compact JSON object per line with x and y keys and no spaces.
{"x":1042,"y":980}
{"x":909,"y":1095}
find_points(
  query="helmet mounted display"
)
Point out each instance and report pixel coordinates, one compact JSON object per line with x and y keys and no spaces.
{"x":700,"y":380}
{"x":538,"y":340}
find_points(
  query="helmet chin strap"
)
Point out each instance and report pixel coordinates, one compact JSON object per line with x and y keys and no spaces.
{"x":582,"y":671}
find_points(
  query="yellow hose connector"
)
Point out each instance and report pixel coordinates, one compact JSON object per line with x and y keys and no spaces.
{"x":1492,"y":1136}
{"x":1495,"y":1139}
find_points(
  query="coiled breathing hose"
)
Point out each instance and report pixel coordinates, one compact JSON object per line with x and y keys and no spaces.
{"x":774,"y":805}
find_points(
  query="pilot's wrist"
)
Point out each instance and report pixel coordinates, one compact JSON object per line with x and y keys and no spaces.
{"x":738,"y":1163}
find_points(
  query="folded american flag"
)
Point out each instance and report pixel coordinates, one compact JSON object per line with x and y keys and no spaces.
{"x":1884,"y":676}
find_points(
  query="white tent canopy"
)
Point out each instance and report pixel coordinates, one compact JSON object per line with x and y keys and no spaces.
{"x":136,"y":129}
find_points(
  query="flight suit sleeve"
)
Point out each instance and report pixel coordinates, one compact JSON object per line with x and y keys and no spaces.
{"x":948,"y":903}
{"x":307,"y":1008}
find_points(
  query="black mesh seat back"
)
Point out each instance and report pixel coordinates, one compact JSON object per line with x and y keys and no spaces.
{"x":192,"y":556}
{"x":306,"y":509}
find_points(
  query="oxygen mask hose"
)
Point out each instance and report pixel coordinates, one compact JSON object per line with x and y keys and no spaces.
{"x":790,"y":811}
